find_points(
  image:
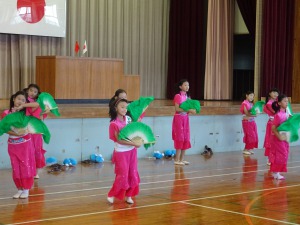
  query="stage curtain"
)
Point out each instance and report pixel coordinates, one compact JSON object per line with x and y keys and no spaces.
{"x":248,"y":11}
{"x":219,"y":50}
{"x":133,"y":30}
{"x":186,"y":46}
{"x":277,"y":45}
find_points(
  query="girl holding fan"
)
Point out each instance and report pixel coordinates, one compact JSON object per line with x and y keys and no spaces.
{"x":21,"y":152}
{"x":180,"y":125}
{"x":272,"y":96}
{"x":249,"y":126}
{"x":125,"y":156}
{"x":279,"y":150}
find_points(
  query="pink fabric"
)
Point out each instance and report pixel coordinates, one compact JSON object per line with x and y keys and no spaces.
{"x":36,"y":113}
{"x":246,"y":104}
{"x":181,"y":126}
{"x":279,"y":151}
{"x":250,"y":134}
{"x":21,"y":154}
{"x":4,"y":113}
{"x":267,"y":142}
{"x":114,"y":127}
{"x":268,"y":108}
{"x":37,"y":141}
{"x":127,"y":177}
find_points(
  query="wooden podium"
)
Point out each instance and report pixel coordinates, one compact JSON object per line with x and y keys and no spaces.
{"x":71,"y":78}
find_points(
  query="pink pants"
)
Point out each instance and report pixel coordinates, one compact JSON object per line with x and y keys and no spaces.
{"x":37,"y":141}
{"x":250,"y":134}
{"x":21,"y":154}
{"x":127,"y":177}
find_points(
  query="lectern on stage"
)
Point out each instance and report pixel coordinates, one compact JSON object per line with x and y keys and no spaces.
{"x":78,"y":78}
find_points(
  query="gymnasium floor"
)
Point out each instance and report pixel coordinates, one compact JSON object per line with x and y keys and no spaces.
{"x":227,"y":188}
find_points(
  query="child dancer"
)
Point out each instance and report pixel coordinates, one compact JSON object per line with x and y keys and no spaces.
{"x":272,"y":96}
{"x":20,"y":151}
{"x":279,"y":146}
{"x":33,"y":109}
{"x":125,"y":156}
{"x":180,"y":125}
{"x":249,"y":126}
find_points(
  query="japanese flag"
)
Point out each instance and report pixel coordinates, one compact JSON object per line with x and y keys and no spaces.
{"x":33,"y":17}
{"x":84,"y":50}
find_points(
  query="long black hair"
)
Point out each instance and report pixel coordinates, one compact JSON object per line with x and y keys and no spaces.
{"x":270,"y":91}
{"x":275,"y":105}
{"x":116,"y":96}
{"x":177,"y":88}
{"x":112,"y":108}
{"x":248,"y":93}
{"x":11,"y":101}
{"x":32,"y":86}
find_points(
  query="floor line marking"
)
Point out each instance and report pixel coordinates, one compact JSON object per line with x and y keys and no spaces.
{"x":153,"y":182}
{"x":238,"y":213}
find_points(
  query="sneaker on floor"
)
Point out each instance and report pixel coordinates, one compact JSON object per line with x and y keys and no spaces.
{"x":24,"y":194}
{"x":186,"y":162}
{"x":18,"y":194}
{"x":280,"y":177}
{"x":178,"y":163}
{"x":246,"y":152}
{"x":129,"y":200}
{"x":36,"y":177}
{"x":110,"y":200}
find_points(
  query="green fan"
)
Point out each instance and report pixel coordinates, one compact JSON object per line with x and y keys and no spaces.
{"x":19,"y":121}
{"x":45,"y":101}
{"x":137,"y":107}
{"x":138,"y":130}
{"x":289,"y":109}
{"x":191,"y":104}
{"x":291,"y":128}
{"x":257,"y":108}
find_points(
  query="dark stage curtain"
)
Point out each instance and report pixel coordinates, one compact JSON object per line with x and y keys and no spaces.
{"x":186,"y":46}
{"x":277,"y":45}
{"x":248,"y":11}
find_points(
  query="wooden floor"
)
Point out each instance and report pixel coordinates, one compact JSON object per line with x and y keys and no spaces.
{"x":227,"y":188}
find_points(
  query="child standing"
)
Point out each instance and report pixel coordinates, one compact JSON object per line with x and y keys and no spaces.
{"x":33,"y":109}
{"x":249,"y":126}
{"x":20,"y":151}
{"x":279,"y":146}
{"x":181,"y":124}
{"x":125,"y":156}
{"x":272,"y":96}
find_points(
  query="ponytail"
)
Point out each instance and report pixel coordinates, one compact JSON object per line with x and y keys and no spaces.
{"x":275,"y":105}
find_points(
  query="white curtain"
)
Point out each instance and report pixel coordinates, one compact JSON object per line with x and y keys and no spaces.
{"x":219,"y":50}
{"x":133,"y":30}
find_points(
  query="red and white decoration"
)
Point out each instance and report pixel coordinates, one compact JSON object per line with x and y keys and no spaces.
{"x":33,"y":17}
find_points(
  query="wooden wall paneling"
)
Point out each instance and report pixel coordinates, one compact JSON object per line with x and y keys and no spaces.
{"x":84,"y":78}
{"x":46,"y":78}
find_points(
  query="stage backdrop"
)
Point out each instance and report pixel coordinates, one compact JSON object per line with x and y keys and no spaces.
{"x":33,"y":17}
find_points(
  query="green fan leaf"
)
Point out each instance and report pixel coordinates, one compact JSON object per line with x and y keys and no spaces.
{"x":191,"y":104}
{"x":45,"y":101}
{"x":291,"y":128}
{"x":257,"y":108}
{"x":137,"y":130}
{"x":289,"y":109}
{"x":18,"y":120}
{"x":137,"y":107}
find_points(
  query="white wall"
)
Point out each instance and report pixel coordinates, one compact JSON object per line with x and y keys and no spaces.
{"x":79,"y":138}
